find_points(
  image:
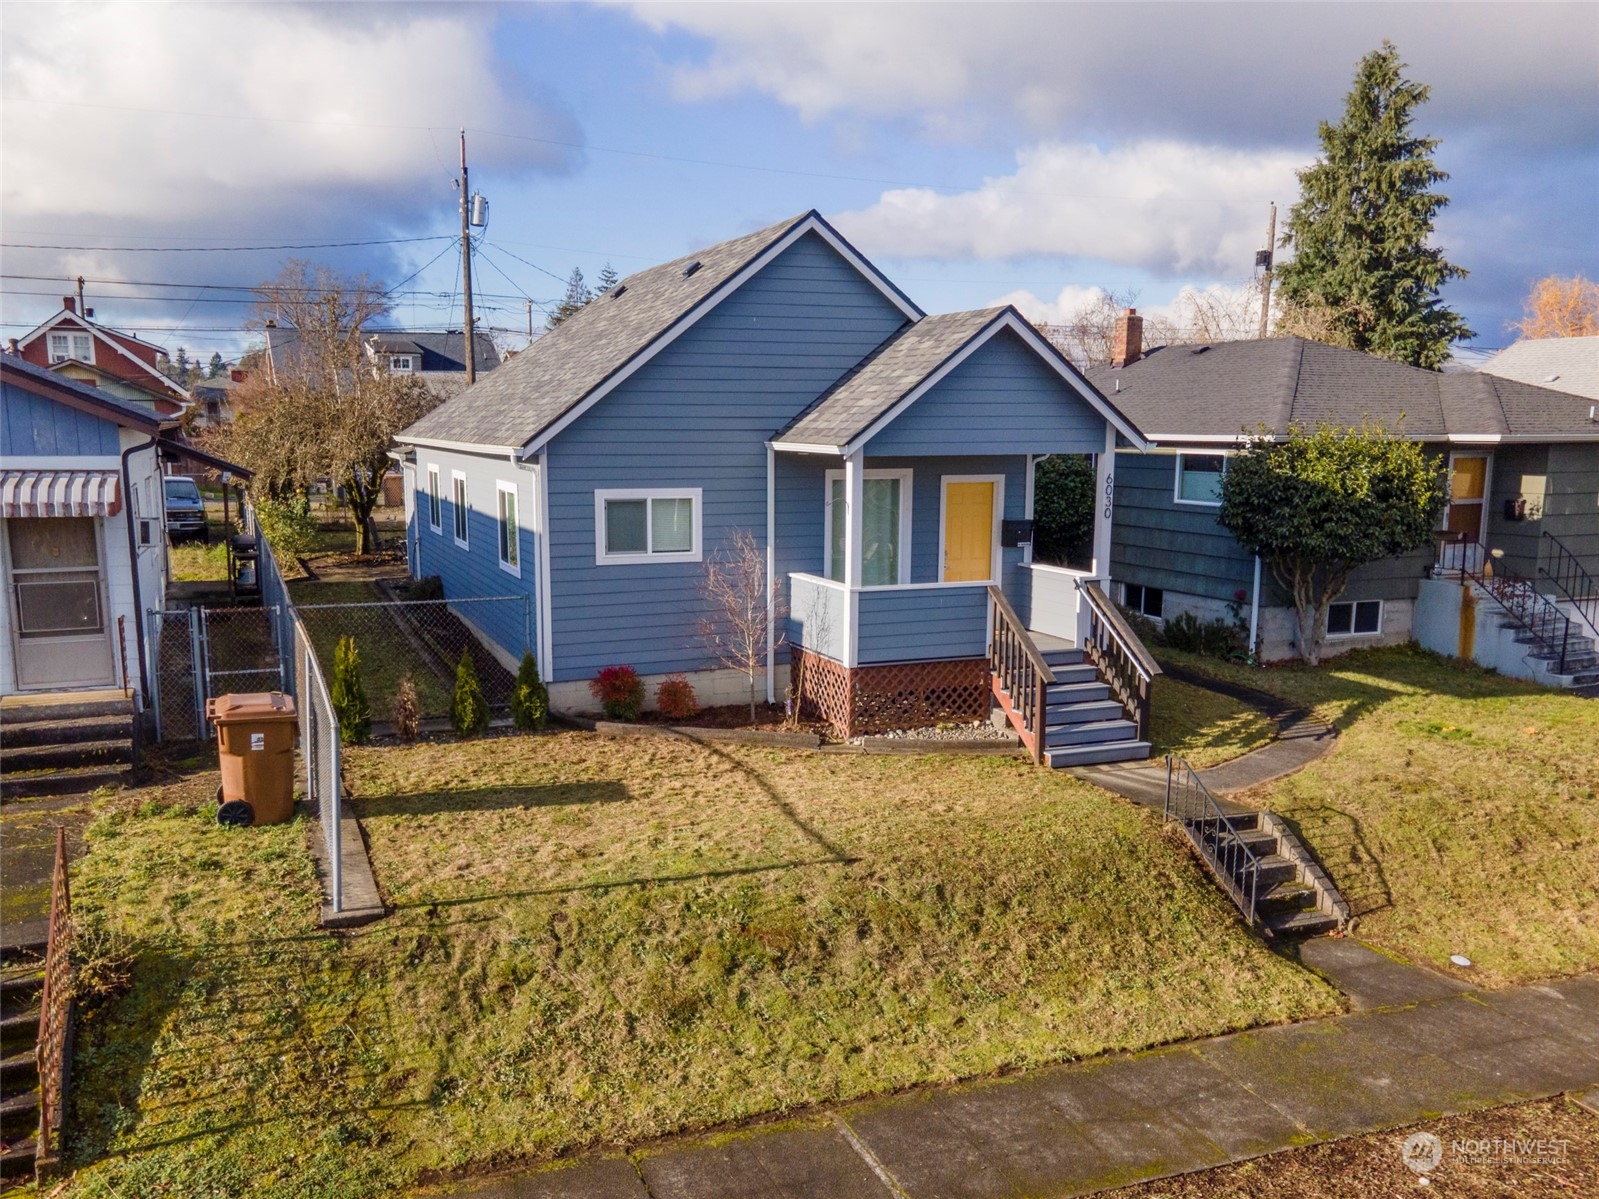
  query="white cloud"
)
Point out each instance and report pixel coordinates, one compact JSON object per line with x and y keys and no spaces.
{"x":1168,"y":207}
{"x":1219,"y":311}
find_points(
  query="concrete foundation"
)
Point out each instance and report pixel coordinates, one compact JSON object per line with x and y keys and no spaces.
{"x":712,"y":688}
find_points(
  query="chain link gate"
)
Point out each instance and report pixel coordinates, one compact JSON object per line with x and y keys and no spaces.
{"x":200,"y":653}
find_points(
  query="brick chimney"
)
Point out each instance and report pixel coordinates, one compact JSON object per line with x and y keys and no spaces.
{"x":70,"y":303}
{"x":1129,"y":344}
{"x":237,"y":376}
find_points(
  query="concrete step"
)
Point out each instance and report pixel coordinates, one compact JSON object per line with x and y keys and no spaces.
{"x":1095,"y":732}
{"x":1075,"y":693}
{"x":18,"y":1071}
{"x":1307,"y":923}
{"x":1286,"y":896}
{"x":54,"y":757}
{"x":20,"y":993}
{"x":76,"y":781}
{"x":1274,"y":870}
{"x":20,"y":1031}
{"x":64,"y":709}
{"x":17,"y":1160}
{"x":1063,"y":714}
{"x":19,"y":1116}
{"x":117,"y":727}
{"x":1089,"y":755}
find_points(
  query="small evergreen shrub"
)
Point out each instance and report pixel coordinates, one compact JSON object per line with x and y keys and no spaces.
{"x":348,"y":695}
{"x":1211,"y":638}
{"x":407,"y":711}
{"x":469,"y":711}
{"x":530,"y":701}
{"x":620,"y":692}
{"x":676,"y":699}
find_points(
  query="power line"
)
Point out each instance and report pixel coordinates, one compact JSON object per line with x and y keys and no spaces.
{"x":323,"y":245}
{"x":414,"y":294}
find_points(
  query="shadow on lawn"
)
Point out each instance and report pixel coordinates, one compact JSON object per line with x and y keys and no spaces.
{"x":493,"y":799}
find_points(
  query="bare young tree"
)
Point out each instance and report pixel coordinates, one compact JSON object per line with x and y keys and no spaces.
{"x":745,"y":608}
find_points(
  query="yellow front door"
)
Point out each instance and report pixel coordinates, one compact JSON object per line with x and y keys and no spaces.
{"x":968,"y":532}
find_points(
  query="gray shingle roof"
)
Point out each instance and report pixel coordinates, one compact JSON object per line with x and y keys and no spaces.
{"x":554,"y":374}
{"x":1228,"y":388}
{"x":124,"y":412}
{"x":1569,"y":363}
{"x":891,"y":373}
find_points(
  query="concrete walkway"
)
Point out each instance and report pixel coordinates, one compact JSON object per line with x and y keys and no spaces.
{"x":1301,"y":738}
{"x":1425,"y":1047}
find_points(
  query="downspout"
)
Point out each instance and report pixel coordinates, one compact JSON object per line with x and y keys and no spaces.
{"x":771,"y":566}
{"x":1254,"y":612}
{"x":133,"y":566}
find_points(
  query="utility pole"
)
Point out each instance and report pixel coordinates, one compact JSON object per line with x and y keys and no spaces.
{"x":466,"y":267}
{"x":1265,"y":280}
{"x":530,"y":322}
{"x":83,"y":312}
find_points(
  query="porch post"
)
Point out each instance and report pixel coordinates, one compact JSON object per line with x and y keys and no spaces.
{"x":854,"y":499}
{"x":1104,"y":497}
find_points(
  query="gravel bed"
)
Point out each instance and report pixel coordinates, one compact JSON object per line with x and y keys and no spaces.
{"x":980,"y":730}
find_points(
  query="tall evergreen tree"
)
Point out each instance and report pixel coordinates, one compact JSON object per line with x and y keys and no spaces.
{"x":577,"y":295}
{"x":608,"y":279}
{"x":216,"y":366}
{"x":1363,"y":275}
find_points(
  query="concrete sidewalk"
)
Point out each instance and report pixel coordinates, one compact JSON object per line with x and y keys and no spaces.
{"x":1072,"y":1130}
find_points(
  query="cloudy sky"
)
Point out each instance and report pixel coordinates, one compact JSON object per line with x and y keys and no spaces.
{"x":1027,"y":152}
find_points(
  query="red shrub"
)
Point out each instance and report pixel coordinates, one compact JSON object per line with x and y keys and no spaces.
{"x":675,"y":698}
{"x":620,"y":692}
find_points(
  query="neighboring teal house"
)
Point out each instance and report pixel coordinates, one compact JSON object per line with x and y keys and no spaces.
{"x":881,"y":458}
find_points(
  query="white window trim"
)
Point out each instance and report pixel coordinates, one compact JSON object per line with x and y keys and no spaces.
{"x":408,"y":359}
{"x":1146,"y":588}
{"x":68,"y":335}
{"x":460,"y":510}
{"x":1377,"y":632}
{"x":1177,"y":480}
{"x":905,"y":478}
{"x":998,"y":481}
{"x":435,"y":496}
{"x":601,"y":558}
{"x":501,"y":487}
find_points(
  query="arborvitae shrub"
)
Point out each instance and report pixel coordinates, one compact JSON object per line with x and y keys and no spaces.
{"x":469,"y":711}
{"x":530,"y":700}
{"x":348,"y":695}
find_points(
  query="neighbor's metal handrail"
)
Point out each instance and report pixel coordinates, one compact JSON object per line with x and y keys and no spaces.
{"x":1021,"y":670}
{"x":1213,"y":834}
{"x":1566,"y":572}
{"x":52,"y":1051}
{"x":1520,"y":598}
{"x":1127,"y":665}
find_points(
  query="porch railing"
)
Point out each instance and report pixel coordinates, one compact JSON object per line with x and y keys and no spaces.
{"x":1219,"y":841}
{"x":1115,"y":649}
{"x":1021,"y":671}
{"x":1561,"y":567}
{"x":1519,"y":597}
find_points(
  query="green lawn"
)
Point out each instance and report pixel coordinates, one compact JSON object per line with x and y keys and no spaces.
{"x":601,"y":940}
{"x":1202,"y":726}
{"x":387,"y":655}
{"x":194,"y":562}
{"x":1458,"y":813}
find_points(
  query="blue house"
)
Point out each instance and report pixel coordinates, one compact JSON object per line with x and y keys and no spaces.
{"x":881,"y":459}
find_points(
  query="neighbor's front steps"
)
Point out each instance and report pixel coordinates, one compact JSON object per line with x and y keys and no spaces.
{"x":20,"y":988}
{"x":65,"y":744}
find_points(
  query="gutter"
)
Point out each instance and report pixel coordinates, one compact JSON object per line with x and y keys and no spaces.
{"x":133,"y":567}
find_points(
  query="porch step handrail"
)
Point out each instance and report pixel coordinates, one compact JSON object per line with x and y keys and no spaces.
{"x":1213,"y":833}
{"x":1562,"y":568}
{"x":1127,"y":666}
{"x":1519,"y":597}
{"x":1020,"y":668}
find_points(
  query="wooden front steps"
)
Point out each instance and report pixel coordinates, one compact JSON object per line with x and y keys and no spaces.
{"x":1083,"y":724}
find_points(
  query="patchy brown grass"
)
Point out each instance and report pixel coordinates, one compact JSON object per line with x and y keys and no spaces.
{"x":1202,"y":726}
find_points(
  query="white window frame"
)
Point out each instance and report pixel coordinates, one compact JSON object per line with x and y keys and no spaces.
{"x":435,"y":499}
{"x":460,"y":510}
{"x":1143,"y":590}
{"x":1354,"y":607}
{"x":601,"y":495}
{"x":996,"y":564}
{"x":404,"y":363}
{"x":906,"y":479}
{"x":68,"y":336}
{"x":1177,"y":480}
{"x":501,"y":487}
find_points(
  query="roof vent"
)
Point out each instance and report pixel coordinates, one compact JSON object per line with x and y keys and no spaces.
{"x":1551,"y":378}
{"x":1199,"y":350}
{"x":691,"y":268}
{"x":616,"y":291}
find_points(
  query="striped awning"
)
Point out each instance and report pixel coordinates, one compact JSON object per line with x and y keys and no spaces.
{"x":59,"y":493}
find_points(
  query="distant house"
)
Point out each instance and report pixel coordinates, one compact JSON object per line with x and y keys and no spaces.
{"x":779,"y":384}
{"x":1564,"y":363}
{"x":1523,"y":465}
{"x":74,"y":345}
{"x":438,"y":359}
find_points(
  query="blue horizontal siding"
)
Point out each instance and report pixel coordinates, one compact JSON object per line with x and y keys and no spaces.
{"x":1004,"y":399}
{"x":923,"y":625}
{"x":816,"y":618}
{"x":699,"y":415}
{"x":33,"y":426}
{"x":475,"y":572}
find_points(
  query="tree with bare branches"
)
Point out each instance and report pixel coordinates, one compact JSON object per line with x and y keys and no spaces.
{"x":1557,"y":307}
{"x":745,"y":608}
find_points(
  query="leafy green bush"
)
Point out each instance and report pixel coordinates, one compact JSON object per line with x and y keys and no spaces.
{"x":530,"y":700}
{"x":349,"y":696}
{"x":469,"y":711}
{"x":289,"y":527}
{"x":1212,"y":638}
{"x":1063,"y":506}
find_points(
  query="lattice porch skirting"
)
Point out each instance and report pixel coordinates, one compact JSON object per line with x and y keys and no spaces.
{"x":878,"y":699}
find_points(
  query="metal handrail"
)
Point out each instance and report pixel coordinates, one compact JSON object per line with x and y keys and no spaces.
{"x":1519,"y":597}
{"x":1213,"y":833}
{"x":1566,"y":572}
{"x":1115,"y":649}
{"x":1021,"y":670}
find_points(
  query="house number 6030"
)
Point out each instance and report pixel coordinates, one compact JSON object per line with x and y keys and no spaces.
{"x":1110,"y":493}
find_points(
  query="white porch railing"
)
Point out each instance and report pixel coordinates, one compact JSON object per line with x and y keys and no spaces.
{"x":1052,"y":604}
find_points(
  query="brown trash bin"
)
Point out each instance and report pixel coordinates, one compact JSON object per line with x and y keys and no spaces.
{"x":255,"y":740}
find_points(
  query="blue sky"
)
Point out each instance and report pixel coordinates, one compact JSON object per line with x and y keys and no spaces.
{"x":1028,"y":152}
